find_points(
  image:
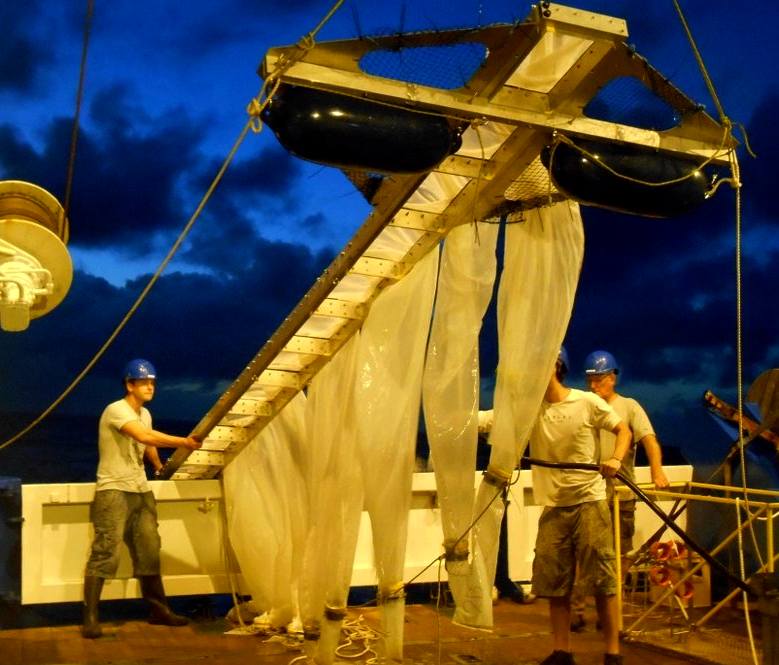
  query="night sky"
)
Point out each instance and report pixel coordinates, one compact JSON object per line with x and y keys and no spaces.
{"x":165,"y":95}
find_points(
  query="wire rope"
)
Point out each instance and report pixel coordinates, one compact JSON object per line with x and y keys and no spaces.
{"x":77,"y":114}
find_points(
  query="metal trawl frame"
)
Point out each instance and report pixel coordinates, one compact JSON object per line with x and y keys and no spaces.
{"x":501,"y":102}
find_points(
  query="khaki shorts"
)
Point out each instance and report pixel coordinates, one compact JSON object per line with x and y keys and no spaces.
{"x":571,"y":535}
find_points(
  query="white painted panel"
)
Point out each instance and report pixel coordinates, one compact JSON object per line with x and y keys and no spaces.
{"x":57,"y":534}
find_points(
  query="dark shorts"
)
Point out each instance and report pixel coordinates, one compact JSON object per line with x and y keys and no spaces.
{"x":128,"y":517}
{"x":575,"y":535}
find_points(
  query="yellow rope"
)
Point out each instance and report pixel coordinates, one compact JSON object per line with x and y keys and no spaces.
{"x":736,"y":183}
{"x":739,"y":357}
{"x":720,"y":152}
{"x":254,"y":110}
{"x":285,"y":61}
{"x":309,"y":38}
{"x":152,"y":281}
{"x":701,"y":65}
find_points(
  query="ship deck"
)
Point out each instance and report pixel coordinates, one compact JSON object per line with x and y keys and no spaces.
{"x":521,"y":635}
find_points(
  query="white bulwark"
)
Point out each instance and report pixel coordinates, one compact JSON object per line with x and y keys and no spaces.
{"x":56,"y":535}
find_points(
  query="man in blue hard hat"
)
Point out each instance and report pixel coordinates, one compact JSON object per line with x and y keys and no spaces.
{"x":601,"y":371}
{"x":124,"y":508}
{"x":574,"y":530}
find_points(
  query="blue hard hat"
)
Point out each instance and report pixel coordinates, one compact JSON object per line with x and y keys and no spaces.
{"x":600,"y":362}
{"x":139,"y":369}
{"x":563,"y":358}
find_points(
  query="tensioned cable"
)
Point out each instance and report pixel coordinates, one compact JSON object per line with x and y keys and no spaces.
{"x":254,"y":109}
{"x":77,"y":114}
{"x":736,"y":184}
{"x":701,"y":64}
{"x":152,"y":281}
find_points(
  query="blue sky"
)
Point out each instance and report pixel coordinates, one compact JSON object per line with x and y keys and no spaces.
{"x":165,"y":97}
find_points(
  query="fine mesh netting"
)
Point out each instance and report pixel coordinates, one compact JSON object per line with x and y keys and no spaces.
{"x":451,"y":399}
{"x":628,"y":101}
{"x":446,"y":66}
{"x":532,"y":185}
{"x":297,"y":497}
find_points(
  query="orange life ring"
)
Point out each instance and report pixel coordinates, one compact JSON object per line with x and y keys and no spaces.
{"x":660,"y":575}
{"x":681,"y":549}
{"x":685,"y":591}
{"x":660,"y":551}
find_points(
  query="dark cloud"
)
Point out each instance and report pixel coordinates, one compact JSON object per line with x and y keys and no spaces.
{"x":21,"y":54}
{"x":758,"y":173}
{"x":199,"y":329}
{"x":315,"y":223}
{"x":270,"y":172}
{"x":126,"y":172}
{"x":667,"y":307}
{"x":214,"y":30}
{"x":125,"y":189}
{"x":227,"y":243}
{"x":225,"y":240}
{"x":18,"y":159}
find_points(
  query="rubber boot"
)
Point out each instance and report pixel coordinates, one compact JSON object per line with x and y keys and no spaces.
{"x":93,"y":586}
{"x":154,"y":593}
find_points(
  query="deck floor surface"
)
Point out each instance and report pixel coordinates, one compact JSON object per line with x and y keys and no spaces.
{"x":520,"y":636}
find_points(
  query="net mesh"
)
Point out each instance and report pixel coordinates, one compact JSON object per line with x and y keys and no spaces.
{"x":445,"y":66}
{"x":533,"y":184}
{"x":627,"y":101}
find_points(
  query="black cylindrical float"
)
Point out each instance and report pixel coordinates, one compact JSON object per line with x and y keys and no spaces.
{"x":353,"y":133}
{"x":579,"y":173}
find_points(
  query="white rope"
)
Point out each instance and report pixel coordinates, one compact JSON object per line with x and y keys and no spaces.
{"x":355,"y":631}
{"x":744,"y":594}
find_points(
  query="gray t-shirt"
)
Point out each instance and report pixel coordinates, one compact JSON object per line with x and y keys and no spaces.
{"x":567,"y":431}
{"x":121,"y":456}
{"x":631,"y":413}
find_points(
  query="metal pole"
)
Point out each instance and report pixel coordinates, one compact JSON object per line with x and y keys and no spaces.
{"x":656,"y":509}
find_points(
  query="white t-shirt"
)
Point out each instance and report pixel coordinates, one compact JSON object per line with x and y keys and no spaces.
{"x":121,"y":456}
{"x":631,"y":413}
{"x":567,"y":431}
